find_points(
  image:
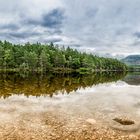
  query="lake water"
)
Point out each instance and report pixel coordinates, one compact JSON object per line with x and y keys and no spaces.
{"x":26,"y":101}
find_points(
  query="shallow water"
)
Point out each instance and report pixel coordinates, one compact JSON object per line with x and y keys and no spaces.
{"x":103,"y":97}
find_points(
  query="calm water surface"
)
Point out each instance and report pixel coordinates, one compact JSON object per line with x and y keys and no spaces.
{"x":51,"y":84}
{"x":99,"y":96}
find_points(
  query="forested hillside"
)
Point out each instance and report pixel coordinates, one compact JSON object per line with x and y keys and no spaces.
{"x":40,"y":57}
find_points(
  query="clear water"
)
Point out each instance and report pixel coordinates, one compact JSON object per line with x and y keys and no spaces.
{"x":99,"y":96}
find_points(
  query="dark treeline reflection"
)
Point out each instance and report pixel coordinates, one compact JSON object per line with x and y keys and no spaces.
{"x":50,"y":84}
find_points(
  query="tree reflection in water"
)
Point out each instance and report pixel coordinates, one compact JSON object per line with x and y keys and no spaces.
{"x":50,"y":84}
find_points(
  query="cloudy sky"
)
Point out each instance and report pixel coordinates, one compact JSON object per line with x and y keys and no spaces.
{"x":105,"y":27}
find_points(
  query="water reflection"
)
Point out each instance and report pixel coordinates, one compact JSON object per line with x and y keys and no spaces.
{"x":132,"y":78}
{"x":49,"y":84}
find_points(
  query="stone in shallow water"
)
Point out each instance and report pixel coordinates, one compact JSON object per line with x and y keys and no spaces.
{"x":91,"y":121}
{"x":124,"y":124}
{"x":124,"y":121}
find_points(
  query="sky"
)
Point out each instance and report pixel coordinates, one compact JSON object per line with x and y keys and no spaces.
{"x":103,"y":27}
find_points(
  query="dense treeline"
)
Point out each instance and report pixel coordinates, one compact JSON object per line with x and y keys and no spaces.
{"x":47,"y":57}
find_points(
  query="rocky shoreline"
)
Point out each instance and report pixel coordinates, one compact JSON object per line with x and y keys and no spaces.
{"x":60,"y":126}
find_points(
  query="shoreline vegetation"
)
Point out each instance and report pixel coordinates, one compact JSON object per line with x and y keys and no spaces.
{"x":52,"y":58}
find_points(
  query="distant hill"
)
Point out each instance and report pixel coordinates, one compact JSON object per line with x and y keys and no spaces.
{"x":132,"y":60}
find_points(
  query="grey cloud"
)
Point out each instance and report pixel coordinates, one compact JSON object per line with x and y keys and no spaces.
{"x":98,"y":26}
{"x":23,"y":34}
{"x":53,"y":40}
{"x":91,"y":12}
{"x":137,"y":34}
{"x":53,"y":19}
{"x":9,"y":26}
{"x":75,"y":45}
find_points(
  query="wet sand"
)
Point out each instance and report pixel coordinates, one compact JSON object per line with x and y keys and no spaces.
{"x":84,"y":114}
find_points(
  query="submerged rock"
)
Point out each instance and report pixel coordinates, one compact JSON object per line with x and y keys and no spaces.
{"x":124,"y":124}
{"x":124,"y":121}
{"x":91,"y":121}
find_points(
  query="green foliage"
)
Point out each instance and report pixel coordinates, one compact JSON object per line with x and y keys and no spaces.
{"x":39,"y":57}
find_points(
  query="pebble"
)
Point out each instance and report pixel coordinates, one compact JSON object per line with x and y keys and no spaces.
{"x":124,"y":121}
{"x":91,"y":121}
